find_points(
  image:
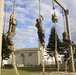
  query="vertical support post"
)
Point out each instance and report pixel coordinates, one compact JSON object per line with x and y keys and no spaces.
{"x":1,"y":23}
{"x":71,"y":60}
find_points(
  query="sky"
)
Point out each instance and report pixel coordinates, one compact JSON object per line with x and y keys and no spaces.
{"x":26,"y":13}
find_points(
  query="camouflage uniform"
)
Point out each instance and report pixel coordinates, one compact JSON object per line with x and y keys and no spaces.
{"x":41,"y":33}
{"x":11,"y":32}
{"x":11,"y":35}
{"x":65,"y":38}
{"x":54,"y":18}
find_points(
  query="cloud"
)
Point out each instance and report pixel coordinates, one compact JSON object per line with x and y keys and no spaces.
{"x":27,"y":11}
{"x":71,"y":7}
{"x":25,"y":36}
{"x":8,"y":3}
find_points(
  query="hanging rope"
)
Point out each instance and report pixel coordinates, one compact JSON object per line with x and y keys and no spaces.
{"x":14,"y":5}
{"x":65,"y":34}
{"x":66,"y":62}
{"x":54,"y":17}
{"x":56,"y":52}
{"x":64,"y":20}
{"x":55,"y":20}
{"x":13,"y":47}
{"x":14,"y":60}
{"x":39,"y":8}
{"x":53,"y":5}
{"x":4,"y":26}
{"x":42,"y":49}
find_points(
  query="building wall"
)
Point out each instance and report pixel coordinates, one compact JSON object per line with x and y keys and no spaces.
{"x":19,"y":58}
{"x":33,"y":57}
{"x":39,"y":60}
{"x":28,"y":57}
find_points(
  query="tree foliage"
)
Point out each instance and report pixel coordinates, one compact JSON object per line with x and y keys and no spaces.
{"x":75,"y":51}
{"x":66,"y":53}
{"x":62,"y":47}
{"x":51,"y":43}
{"x":5,"y":50}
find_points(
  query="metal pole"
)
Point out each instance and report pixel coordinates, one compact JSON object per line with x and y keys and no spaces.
{"x":1,"y":23}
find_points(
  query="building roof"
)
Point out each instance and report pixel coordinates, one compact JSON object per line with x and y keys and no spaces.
{"x":29,"y":49}
{"x":25,"y":49}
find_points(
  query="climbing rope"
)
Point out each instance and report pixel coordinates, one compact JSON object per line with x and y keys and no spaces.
{"x":4,"y":26}
{"x":14,"y":5}
{"x":14,"y":60}
{"x":54,"y":17}
{"x":64,"y":20}
{"x":55,"y":20}
{"x":66,"y":62}
{"x":13,"y":47}
{"x":39,"y":8}
{"x":53,"y":5}
{"x":42,"y":49}
{"x":65,"y":34}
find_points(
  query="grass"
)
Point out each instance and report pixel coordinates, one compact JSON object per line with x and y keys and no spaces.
{"x":30,"y":70}
{"x":22,"y":71}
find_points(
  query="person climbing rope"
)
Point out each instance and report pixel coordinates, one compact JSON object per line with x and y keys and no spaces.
{"x":11,"y":31}
{"x":54,"y":18}
{"x":65,"y":38}
{"x":41,"y":33}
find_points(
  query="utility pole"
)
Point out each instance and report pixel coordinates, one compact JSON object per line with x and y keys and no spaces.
{"x":71,"y":61}
{"x":1,"y":23}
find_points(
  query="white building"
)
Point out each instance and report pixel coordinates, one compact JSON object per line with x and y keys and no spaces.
{"x":32,"y":56}
{"x":51,"y":60}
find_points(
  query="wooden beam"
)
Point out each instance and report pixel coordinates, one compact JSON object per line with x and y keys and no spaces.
{"x":1,"y":23}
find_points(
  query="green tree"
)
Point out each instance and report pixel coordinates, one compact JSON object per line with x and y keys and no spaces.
{"x":51,"y":43}
{"x":62,"y":47}
{"x":74,"y":51}
{"x":66,"y":48}
{"x":54,"y":45}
